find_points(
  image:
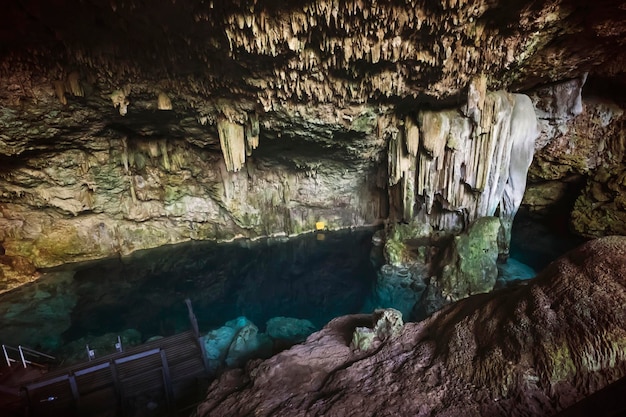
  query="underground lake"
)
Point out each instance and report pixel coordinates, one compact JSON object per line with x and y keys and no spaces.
{"x":314,"y":277}
{"x":297,"y":284}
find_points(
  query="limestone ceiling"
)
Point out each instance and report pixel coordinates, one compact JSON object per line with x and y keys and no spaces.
{"x":210,"y":59}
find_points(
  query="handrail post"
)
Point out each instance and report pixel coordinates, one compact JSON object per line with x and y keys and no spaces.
{"x":19,"y":347}
{"x":192,"y":318}
{"x":91,"y":354}
{"x":6,"y":355}
{"x":118,"y":345}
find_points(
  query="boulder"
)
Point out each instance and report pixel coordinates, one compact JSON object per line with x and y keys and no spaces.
{"x":234,"y":343}
{"x":289,"y":329}
{"x":386,"y":324}
{"x":471,"y":266}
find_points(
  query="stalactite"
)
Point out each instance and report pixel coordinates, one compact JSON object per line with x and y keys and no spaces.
{"x":466,"y":173}
{"x":396,"y":157}
{"x":120,"y":99}
{"x":73,"y":84}
{"x":232,"y":142}
{"x":125,"y":161}
{"x":411,"y":135}
{"x":59,"y":90}
{"x":164,"y":154}
{"x":252,"y":132}
{"x":164,"y":102}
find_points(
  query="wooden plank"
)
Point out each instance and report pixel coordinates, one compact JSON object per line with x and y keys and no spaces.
{"x":151,"y":380}
{"x":167,"y":381}
{"x":92,"y":369}
{"x":50,"y":381}
{"x":100,"y":402}
{"x":93,"y":381}
{"x":52,"y":399}
{"x":137,"y":356}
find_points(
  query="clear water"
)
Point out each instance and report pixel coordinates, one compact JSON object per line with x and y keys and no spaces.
{"x":315,"y":277}
{"x":536,"y":243}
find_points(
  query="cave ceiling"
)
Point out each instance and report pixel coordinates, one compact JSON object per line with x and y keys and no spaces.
{"x":78,"y":69}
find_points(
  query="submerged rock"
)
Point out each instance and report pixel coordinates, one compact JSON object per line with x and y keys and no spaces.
{"x":234,"y":343}
{"x":398,"y":288}
{"x":289,"y":329}
{"x":526,"y":351}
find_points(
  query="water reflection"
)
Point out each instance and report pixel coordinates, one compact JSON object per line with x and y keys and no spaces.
{"x":304,"y":277}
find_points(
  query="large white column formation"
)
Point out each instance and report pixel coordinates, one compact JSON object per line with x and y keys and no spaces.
{"x":455,"y":166}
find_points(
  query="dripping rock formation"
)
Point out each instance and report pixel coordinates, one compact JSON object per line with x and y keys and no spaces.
{"x":527,"y":351}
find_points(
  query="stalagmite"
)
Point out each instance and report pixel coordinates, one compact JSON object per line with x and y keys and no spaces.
{"x":232,"y":143}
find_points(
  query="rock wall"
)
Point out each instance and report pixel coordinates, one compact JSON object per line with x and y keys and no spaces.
{"x":128,"y":125}
{"x":124,"y":190}
{"x":578,"y":160}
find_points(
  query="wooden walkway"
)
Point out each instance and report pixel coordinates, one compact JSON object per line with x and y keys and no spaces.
{"x":166,"y":377}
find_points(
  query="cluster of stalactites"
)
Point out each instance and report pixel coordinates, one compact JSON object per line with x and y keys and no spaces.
{"x":236,"y":140}
{"x":397,"y":42}
{"x":454,"y":167}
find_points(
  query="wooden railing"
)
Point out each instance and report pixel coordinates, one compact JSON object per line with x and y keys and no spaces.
{"x":165,"y":377}
{"x":158,"y":376}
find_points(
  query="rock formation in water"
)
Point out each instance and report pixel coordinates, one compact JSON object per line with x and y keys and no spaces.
{"x":532,"y":350}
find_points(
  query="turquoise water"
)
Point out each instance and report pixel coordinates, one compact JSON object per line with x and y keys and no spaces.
{"x":315,"y":277}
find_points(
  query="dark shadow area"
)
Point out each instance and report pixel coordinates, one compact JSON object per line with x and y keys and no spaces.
{"x":537,"y":241}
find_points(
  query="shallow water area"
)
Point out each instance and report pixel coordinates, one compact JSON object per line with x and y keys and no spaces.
{"x":316,"y":277}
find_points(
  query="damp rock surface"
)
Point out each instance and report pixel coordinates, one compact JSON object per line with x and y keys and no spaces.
{"x":531,"y":350}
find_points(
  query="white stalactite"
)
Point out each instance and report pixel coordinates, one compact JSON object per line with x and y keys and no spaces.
{"x":232,"y":143}
{"x":461,"y":167}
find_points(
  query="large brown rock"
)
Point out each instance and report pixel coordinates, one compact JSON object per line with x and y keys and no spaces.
{"x":527,"y":351}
